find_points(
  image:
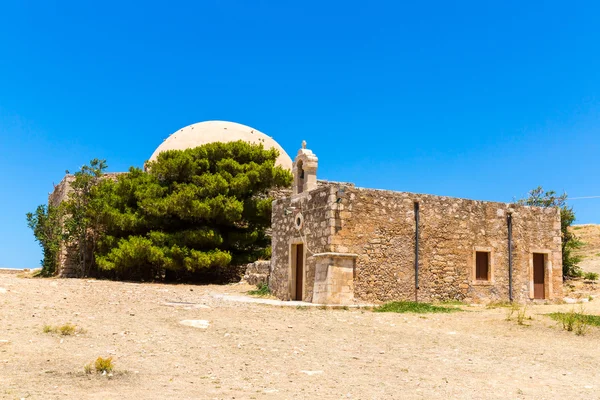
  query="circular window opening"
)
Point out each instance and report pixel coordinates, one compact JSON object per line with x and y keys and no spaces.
{"x":299,"y":221}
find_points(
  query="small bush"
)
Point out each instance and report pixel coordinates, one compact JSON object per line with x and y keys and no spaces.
{"x":67,"y":329}
{"x":522,"y":315}
{"x":261,"y":291}
{"x":568,"y":321}
{"x":414,"y":307}
{"x":576,"y":321}
{"x":581,"y":327}
{"x":511,"y":309}
{"x":590,"y":276}
{"x":87,"y":368}
{"x":103,"y":365}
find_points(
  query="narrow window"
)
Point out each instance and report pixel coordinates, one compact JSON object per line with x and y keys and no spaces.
{"x":482,"y":266}
{"x":300,"y":177}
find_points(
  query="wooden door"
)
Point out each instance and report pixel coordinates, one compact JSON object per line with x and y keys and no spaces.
{"x":539,"y":289}
{"x":299,"y":271}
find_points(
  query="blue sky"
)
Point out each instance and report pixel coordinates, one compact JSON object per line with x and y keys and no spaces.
{"x":483,"y":100}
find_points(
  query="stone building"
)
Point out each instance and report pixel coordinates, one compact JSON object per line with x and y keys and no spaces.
{"x":334,"y":243}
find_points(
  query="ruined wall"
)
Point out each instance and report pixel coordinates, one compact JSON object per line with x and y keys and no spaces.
{"x":61,"y":191}
{"x":317,"y":230}
{"x":257,"y":272}
{"x":379,"y":226}
{"x":68,"y":259}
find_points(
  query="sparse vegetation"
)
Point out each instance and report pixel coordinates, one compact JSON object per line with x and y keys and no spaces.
{"x":103,"y":365}
{"x":576,"y":321}
{"x":572,"y":315}
{"x":67,"y":329}
{"x":590,"y":276}
{"x":510,"y":310}
{"x":262,"y":290}
{"x":87,"y":368}
{"x":522,"y":315}
{"x":520,"y":312}
{"x":499,"y":304}
{"x":452,"y":302}
{"x":414,"y":307}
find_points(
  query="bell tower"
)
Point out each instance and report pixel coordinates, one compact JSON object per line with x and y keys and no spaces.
{"x":304,"y":170}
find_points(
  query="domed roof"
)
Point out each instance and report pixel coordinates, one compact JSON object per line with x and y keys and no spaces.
{"x":220,"y":131}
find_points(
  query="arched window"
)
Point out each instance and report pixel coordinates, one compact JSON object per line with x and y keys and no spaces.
{"x":300,"y":177}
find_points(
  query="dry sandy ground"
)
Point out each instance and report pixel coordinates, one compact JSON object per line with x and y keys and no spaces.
{"x":254,"y":351}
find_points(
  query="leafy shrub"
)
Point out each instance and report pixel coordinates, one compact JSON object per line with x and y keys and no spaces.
{"x":191,"y":216}
{"x":104,"y":365}
{"x":414,"y":307}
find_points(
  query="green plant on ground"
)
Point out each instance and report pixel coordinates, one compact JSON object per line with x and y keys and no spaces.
{"x":571,"y":319}
{"x":67,"y":329}
{"x":522,"y":315}
{"x":510,"y":310}
{"x":581,"y":327}
{"x":590,"y":276}
{"x":262,"y":290}
{"x":104,"y":365}
{"x":414,"y":307}
{"x":499,"y":304}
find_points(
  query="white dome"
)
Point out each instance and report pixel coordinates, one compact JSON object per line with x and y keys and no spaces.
{"x":220,"y":131}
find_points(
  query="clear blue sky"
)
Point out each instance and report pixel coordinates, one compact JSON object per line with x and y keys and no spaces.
{"x":483,"y":100}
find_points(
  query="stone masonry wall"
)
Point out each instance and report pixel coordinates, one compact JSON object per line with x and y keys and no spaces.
{"x":379,"y":226}
{"x":316,"y":233}
{"x":67,"y":257}
{"x":257,"y":272}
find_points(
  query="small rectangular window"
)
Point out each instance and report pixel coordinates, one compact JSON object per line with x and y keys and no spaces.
{"x":482,"y":266}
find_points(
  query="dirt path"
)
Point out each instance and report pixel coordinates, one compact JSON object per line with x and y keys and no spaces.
{"x":254,"y":351}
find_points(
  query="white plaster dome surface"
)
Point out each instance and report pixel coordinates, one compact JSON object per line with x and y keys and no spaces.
{"x":220,"y":131}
